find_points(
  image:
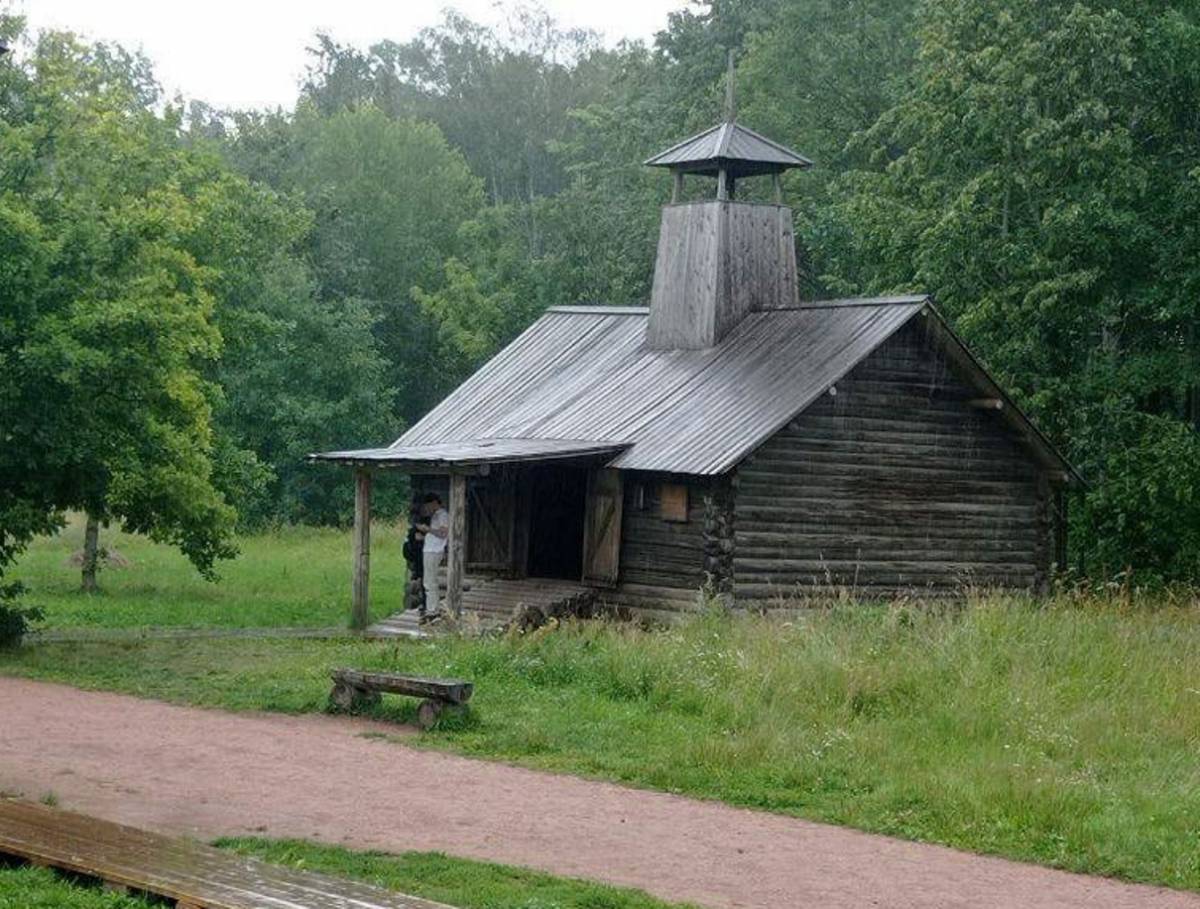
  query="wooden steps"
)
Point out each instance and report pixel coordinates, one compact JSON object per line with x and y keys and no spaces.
{"x":192,"y":875}
{"x":488,"y":605}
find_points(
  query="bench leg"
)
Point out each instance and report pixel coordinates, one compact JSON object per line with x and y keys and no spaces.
{"x":346,"y":698}
{"x":428,"y":712}
{"x":342,"y":697}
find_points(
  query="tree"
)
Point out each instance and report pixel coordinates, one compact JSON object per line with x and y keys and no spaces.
{"x":387,"y":199}
{"x":1039,"y":176}
{"x":108,"y":319}
{"x":298,"y":372}
{"x":503,"y":98}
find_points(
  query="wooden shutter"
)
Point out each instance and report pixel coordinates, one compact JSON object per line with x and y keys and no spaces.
{"x":673,"y":502}
{"x":490,"y":523}
{"x":602,"y":527}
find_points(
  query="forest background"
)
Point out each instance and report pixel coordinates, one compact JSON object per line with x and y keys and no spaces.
{"x":193,"y":299}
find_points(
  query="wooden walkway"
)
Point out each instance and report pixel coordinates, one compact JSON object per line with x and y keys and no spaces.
{"x":489,"y":604}
{"x":193,"y":875}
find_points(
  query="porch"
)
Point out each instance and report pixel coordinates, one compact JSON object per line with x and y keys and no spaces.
{"x":491,"y":603}
{"x":531,"y":520}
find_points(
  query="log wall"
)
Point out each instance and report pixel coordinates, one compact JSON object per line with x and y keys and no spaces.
{"x":662,"y":562}
{"x":894,"y":484}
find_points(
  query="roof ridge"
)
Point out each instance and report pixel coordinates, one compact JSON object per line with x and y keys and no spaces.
{"x":724,"y":139}
{"x":602,"y":310}
{"x":840,"y":302}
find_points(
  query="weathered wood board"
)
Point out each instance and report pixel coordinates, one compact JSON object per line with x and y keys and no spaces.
{"x":360,"y":598}
{"x":452,"y":691}
{"x":602,"y":527}
{"x":193,"y":875}
{"x":717,"y":262}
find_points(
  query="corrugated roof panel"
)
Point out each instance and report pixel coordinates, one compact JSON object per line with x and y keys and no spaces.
{"x":587,"y":375}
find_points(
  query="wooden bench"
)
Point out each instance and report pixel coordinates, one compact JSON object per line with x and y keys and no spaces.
{"x":179,"y":872}
{"x":354,"y":689}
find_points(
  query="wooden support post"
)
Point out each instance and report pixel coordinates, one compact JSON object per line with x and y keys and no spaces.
{"x":457,"y":544}
{"x":722,"y":185}
{"x":362,"y":548}
{"x":1060,"y":529}
{"x":777,"y":184}
{"x":677,"y":187}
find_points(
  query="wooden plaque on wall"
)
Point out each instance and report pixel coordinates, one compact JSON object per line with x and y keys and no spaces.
{"x":673,"y":502}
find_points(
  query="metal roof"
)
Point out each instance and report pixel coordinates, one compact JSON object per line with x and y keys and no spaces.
{"x":475,"y":451}
{"x":732,"y":146}
{"x":581,"y":382}
{"x":587,"y":374}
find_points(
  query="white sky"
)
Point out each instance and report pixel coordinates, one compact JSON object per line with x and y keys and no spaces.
{"x":251,"y":53}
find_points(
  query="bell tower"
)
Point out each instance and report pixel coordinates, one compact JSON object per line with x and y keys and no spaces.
{"x":721,"y":258}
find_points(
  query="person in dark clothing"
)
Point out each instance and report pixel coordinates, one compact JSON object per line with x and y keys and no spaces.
{"x":414,"y":543}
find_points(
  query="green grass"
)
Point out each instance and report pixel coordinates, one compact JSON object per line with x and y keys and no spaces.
{"x":1064,"y":735}
{"x":40,"y":888}
{"x":295,"y":576}
{"x":457,"y":882}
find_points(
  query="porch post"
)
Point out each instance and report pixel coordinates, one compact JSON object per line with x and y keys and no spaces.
{"x":362,"y":548}
{"x":457,"y":543}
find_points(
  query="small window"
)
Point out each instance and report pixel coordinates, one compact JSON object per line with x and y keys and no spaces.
{"x":673,"y":504}
{"x":639,"y":497}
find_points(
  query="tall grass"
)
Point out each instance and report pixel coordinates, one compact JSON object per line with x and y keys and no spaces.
{"x":1066,"y":733}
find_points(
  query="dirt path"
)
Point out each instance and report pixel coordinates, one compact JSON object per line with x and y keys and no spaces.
{"x":207,"y":773}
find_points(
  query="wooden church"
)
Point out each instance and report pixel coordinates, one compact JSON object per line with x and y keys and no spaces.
{"x":729,"y":436}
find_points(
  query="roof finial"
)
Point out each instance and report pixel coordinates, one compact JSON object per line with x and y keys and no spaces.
{"x":730,"y":106}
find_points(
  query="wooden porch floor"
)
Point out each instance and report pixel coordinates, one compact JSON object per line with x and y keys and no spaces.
{"x":193,"y":875}
{"x":489,"y":604}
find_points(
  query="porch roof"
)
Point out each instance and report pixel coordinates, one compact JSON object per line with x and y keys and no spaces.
{"x":474,"y":452}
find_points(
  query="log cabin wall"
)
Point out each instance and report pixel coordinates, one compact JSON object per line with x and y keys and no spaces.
{"x":663,"y":559}
{"x":899,"y":482}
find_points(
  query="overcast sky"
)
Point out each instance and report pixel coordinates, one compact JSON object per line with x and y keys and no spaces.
{"x":250,"y":53}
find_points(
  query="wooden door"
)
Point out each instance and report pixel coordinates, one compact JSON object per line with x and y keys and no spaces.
{"x":490,"y":515}
{"x":602,"y":527}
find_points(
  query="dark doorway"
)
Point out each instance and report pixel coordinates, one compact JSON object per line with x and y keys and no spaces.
{"x":558,"y":496}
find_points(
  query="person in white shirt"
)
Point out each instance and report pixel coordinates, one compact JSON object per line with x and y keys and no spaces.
{"x":437,"y":533}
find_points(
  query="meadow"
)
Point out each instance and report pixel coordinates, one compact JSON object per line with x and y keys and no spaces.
{"x":292,"y":576}
{"x":1063,"y":731}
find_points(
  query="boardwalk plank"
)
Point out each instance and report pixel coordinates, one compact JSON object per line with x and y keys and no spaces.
{"x":192,"y":874}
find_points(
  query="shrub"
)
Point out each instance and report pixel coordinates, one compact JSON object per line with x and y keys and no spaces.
{"x":15,"y":620}
{"x":1141,"y":518}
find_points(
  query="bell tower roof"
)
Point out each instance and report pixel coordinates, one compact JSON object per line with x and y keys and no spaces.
{"x":731,"y":147}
